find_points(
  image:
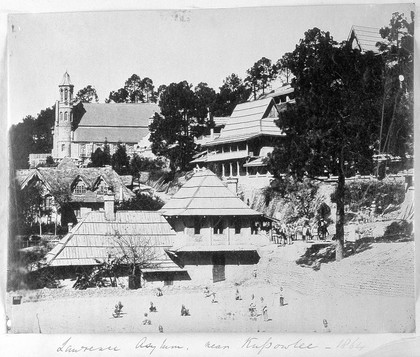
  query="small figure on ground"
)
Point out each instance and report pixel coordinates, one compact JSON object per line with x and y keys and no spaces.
{"x":146,"y":320}
{"x":159,"y":292}
{"x":206,"y":291}
{"x":160,"y":329}
{"x":120,"y":306}
{"x":254,"y":273}
{"x":252,"y":307}
{"x":8,"y":324}
{"x":322,"y":229}
{"x":237,"y":295}
{"x":213,"y":299}
{"x":185,"y":311}
{"x":307,"y":232}
{"x":152,"y":308}
{"x":281,"y":297}
{"x":326,"y":327}
{"x":118,"y":310}
{"x":264,"y":311}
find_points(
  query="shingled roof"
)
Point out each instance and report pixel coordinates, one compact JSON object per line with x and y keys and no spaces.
{"x":94,"y":238}
{"x":204,"y":194}
{"x":124,"y":122}
{"x":365,"y":38}
{"x":248,"y":120}
{"x":62,"y":177}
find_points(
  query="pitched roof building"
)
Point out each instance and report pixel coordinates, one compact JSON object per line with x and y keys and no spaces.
{"x":96,"y":237}
{"x":248,"y":135}
{"x":205,"y":195}
{"x":85,"y":187}
{"x":81,"y":128}
{"x":365,"y":38}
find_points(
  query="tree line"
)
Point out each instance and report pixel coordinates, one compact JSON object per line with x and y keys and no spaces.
{"x":35,"y":135}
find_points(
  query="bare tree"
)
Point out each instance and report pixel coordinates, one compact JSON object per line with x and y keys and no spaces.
{"x":136,"y":252}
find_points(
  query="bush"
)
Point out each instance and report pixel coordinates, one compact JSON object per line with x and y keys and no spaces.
{"x":28,"y":271}
{"x":401,"y":228}
{"x":300,"y":194}
{"x":360,"y":195}
{"x":142,"y":202}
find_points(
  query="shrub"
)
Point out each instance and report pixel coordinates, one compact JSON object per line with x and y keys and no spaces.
{"x":362,"y":194}
{"x":142,"y":202}
{"x":401,"y":228}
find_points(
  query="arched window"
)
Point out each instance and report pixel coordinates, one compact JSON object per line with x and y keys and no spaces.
{"x":61,"y":116}
{"x":65,"y":94}
{"x":61,"y":94}
{"x":65,"y":116}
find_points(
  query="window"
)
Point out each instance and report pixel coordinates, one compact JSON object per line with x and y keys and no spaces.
{"x":237,"y":226}
{"x":197,"y":226}
{"x":102,"y":189}
{"x":218,"y":228}
{"x":66,"y":94}
{"x":255,"y":227}
{"x":65,"y":116}
{"x":80,"y":189}
{"x":48,"y":203}
{"x":61,"y":116}
{"x":63,"y":146}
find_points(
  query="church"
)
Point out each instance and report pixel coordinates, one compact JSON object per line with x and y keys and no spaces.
{"x":81,"y":128}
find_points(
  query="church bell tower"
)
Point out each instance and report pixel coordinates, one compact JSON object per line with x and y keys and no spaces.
{"x":63,"y":119}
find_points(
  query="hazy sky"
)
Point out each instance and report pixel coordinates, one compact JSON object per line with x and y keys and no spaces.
{"x":105,"y":48}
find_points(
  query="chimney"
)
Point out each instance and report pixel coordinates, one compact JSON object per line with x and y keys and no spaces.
{"x":70,"y":227}
{"x":232,"y":185}
{"x":109,"y":207}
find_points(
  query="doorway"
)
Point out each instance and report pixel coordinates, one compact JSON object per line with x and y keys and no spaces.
{"x":218,"y":260}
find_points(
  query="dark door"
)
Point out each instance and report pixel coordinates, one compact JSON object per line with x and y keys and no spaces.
{"x":218,"y":267}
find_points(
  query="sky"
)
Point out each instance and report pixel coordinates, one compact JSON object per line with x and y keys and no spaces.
{"x":104,"y":49}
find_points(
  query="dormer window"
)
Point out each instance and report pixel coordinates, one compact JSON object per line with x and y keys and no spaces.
{"x":102,"y":189}
{"x":80,"y":188}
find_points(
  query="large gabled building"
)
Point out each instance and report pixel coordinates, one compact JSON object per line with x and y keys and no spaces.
{"x":84,"y":187}
{"x":81,"y":128}
{"x":246,"y":138}
{"x":218,"y":233}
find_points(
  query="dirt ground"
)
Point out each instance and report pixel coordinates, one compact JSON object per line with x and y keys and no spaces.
{"x":372,"y":291}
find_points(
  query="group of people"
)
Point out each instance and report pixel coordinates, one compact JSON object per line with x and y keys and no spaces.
{"x":258,"y":309}
{"x":286,"y":233}
{"x":282,"y":233}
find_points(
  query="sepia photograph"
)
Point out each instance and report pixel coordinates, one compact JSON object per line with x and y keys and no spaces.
{"x":220,"y":170}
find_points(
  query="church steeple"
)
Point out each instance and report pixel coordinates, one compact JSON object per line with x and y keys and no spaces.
{"x":63,"y":119}
{"x":66,"y":90}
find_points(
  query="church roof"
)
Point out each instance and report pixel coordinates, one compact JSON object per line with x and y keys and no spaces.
{"x":248,"y":120}
{"x":204,"y":194}
{"x":94,"y":238}
{"x":66,"y":80}
{"x":366,"y":37}
{"x":125,"y":122}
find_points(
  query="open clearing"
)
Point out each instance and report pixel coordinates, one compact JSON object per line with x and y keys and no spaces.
{"x":371,"y":291}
